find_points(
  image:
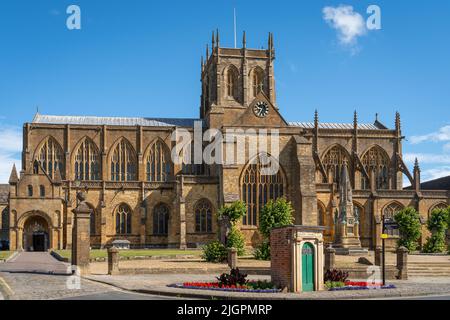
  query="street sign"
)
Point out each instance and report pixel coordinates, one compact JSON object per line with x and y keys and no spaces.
{"x":384,"y":236}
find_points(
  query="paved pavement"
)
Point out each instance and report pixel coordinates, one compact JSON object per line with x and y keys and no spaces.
{"x":38,"y":276}
{"x":35,"y":262}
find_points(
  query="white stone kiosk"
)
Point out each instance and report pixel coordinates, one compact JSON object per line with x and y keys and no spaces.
{"x":297,"y":258}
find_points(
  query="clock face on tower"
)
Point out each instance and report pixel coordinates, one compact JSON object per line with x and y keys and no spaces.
{"x":261,"y":109}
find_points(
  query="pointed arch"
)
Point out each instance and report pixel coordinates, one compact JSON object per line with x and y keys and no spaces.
{"x":257,"y":189}
{"x":188,"y":166}
{"x":50,"y":156}
{"x":86,"y":161}
{"x":321,"y":214}
{"x":388,"y":214}
{"x":376,"y":160}
{"x":256,"y":76}
{"x":203,"y":216}
{"x":438,"y":206}
{"x":161,"y":214}
{"x":333,"y":159}
{"x":123,"y":161}
{"x":123,"y":217}
{"x":157,"y":162}
{"x":231,"y":78}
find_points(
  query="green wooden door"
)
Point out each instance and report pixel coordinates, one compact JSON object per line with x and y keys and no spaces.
{"x":308,"y":267}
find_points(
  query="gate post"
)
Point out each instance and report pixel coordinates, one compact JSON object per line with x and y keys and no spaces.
{"x":81,"y":241}
{"x":330,"y":258}
{"x":402,"y":263}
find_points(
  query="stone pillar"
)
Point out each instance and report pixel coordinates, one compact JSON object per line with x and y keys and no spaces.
{"x":113,"y":261}
{"x":81,"y":235}
{"x":330,"y":258}
{"x":183,"y":244}
{"x":378,"y":256}
{"x":232,"y":258}
{"x":402,"y":263}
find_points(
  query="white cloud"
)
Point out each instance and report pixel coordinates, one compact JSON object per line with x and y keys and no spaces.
{"x":427,"y":158}
{"x":439,"y":136}
{"x":349,"y":24}
{"x":10,"y":148}
{"x":435,"y":173}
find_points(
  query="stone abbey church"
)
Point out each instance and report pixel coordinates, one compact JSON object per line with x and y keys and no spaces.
{"x":136,"y":193}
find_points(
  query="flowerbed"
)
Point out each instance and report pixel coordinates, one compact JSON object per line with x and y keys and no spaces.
{"x":253,"y":287}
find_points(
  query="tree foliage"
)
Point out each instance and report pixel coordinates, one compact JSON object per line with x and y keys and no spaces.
{"x":278,"y":213}
{"x":235,"y":211}
{"x":437,"y":225}
{"x":409,"y":224}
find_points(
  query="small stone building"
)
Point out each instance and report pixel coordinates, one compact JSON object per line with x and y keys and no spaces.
{"x":138,"y":193}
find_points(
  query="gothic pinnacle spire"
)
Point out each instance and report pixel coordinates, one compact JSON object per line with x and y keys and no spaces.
{"x":355,"y":120}
{"x":217,"y":38}
{"x":14,"y":178}
{"x":213,"y":40}
{"x":316,"y":119}
{"x":398,"y":123}
{"x":244,"y":40}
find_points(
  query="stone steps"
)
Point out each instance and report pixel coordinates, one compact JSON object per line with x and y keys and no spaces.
{"x":423,"y":269}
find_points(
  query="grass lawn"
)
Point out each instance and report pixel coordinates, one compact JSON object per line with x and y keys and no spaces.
{"x":5,"y":254}
{"x":136,"y":253}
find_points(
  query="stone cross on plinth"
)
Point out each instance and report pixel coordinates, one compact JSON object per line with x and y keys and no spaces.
{"x":81,"y":234}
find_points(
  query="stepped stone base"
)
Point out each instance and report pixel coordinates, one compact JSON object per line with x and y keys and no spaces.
{"x":351,"y":251}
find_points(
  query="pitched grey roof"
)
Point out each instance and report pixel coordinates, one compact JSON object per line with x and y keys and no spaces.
{"x":4,"y":193}
{"x":113,"y":121}
{"x":310,"y":125}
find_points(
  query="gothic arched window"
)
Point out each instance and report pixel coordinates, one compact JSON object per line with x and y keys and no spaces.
{"x":258,"y":189}
{"x":257,"y":81}
{"x":161,"y":220}
{"x":87,"y":161}
{"x":388,"y":217}
{"x":51,"y":157}
{"x":377,"y":161}
{"x":123,"y":162}
{"x":30,"y":190}
{"x":231,"y":81}
{"x":333,"y":161}
{"x":157,"y":163}
{"x":203,"y":216}
{"x":123,"y":220}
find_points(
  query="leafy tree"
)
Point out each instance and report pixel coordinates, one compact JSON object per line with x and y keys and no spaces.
{"x":437,"y":225}
{"x":278,"y":213}
{"x":236,"y":240}
{"x":409,"y":224}
{"x":235,"y":211}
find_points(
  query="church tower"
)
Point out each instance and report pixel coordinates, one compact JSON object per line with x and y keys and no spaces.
{"x":232,"y":78}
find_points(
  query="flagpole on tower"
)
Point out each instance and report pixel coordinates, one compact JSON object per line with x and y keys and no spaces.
{"x":235,"y":36}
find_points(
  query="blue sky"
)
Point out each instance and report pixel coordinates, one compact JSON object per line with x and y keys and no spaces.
{"x":142,"y":58}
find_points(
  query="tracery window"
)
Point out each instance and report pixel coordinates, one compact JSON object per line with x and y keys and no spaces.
{"x":203,"y":216}
{"x":123,"y":220}
{"x":87,"y":162}
{"x":231,"y":80}
{"x":157,"y":163}
{"x":257,"y":81}
{"x":123,"y":162}
{"x":51,"y":157}
{"x":161,"y":220}
{"x":376,"y":160}
{"x":333,"y":161}
{"x":258,"y":189}
{"x":388,"y":216}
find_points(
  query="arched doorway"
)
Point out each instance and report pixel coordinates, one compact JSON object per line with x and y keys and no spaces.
{"x":36,"y":235}
{"x":308,"y":267}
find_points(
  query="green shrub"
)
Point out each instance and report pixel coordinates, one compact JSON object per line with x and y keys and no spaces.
{"x":261,"y":285}
{"x":409,"y":224}
{"x":236,"y":240}
{"x":334,"y":284}
{"x":275,"y":214}
{"x":262,"y":252}
{"x":235,"y":211}
{"x":437,"y":225}
{"x":215,"y":252}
